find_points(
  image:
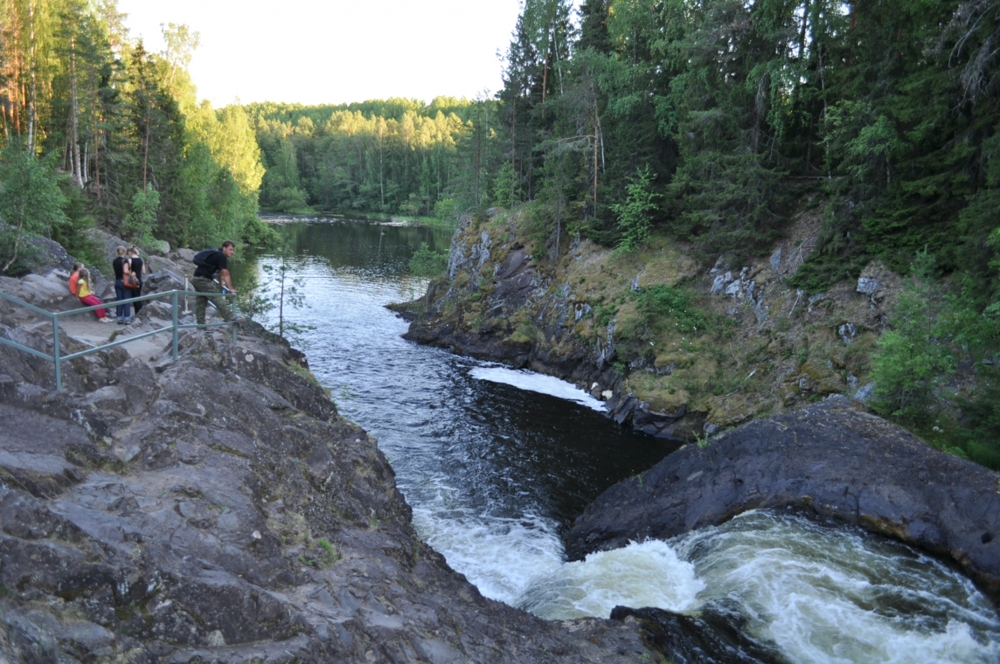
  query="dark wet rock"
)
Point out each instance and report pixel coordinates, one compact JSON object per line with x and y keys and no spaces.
{"x":715,"y":635}
{"x":218,"y":508}
{"x":829,"y":458}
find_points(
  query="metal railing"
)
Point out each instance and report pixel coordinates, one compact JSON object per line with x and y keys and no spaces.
{"x":55,"y":317}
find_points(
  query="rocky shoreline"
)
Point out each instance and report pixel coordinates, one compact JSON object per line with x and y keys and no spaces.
{"x":217,"y":508}
{"x":830,"y":459}
{"x":755,"y":347}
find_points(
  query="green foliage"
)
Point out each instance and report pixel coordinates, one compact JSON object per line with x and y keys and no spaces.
{"x":635,"y":215}
{"x":980,"y":437}
{"x":505,"y":186}
{"x":428,"y":263}
{"x":122,"y":120}
{"x":666,"y":305}
{"x":915,"y":359}
{"x":327,"y":552}
{"x":72,"y":234}
{"x":445,"y":209}
{"x":30,"y":204}
{"x":936,"y":370}
{"x":141,"y":219}
{"x":283,"y":290}
{"x":384,"y":157}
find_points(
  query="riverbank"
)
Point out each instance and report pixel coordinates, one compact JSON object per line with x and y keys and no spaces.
{"x":829,"y":459}
{"x":219,"y":508}
{"x":677,"y":349}
{"x":311,"y":214}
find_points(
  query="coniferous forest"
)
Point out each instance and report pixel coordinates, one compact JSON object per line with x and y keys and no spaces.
{"x":711,"y":122}
{"x":98,"y":131}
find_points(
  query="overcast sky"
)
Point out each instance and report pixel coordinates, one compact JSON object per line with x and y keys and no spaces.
{"x":334,"y":51}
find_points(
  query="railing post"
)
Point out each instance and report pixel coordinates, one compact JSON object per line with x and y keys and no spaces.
{"x":175,"y":325}
{"x":55,"y":351}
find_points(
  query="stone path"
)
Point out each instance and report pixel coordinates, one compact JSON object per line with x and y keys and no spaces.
{"x":89,"y":331}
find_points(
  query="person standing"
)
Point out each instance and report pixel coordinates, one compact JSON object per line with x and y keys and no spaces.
{"x":216,"y":262}
{"x":138,"y":267}
{"x":86,"y":296}
{"x":123,"y":308}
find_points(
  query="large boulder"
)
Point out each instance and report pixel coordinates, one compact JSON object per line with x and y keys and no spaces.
{"x":830,"y":458}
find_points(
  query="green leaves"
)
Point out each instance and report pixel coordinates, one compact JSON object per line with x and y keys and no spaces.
{"x":635,"y":215}
{"x":30,"y":202}
{"x":428,"y":263}
{"x":141,"y":220}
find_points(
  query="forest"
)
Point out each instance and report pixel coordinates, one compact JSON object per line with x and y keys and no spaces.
{"x":99,"y":132}
{"x":712,"y":122}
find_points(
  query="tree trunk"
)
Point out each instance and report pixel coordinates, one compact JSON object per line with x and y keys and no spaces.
{"x":97,"y":159}
{"x":17,"y":240}
{"x":32,"y":99}
{"x":74,"y":115}
{"x":145,"y":152}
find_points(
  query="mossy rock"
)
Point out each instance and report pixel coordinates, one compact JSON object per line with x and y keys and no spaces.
{"x":629,"y":323}
{"x":680,"y":360}
{"x":728,"y":411}
{"x":667,"y":267}
{"x":811,"y":380}
{"x":662,"y":393}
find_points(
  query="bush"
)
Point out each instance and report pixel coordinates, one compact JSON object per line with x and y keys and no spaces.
{"x":635,"y":214}
{"x":428,"y":263}
{"x":981,"y":438}
{"x":30,"y":204}
{"x":662,"y":304}
{"x":915,"y":359}
{"x":445,"y":209}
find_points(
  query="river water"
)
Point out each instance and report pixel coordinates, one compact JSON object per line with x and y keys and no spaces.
{"x":496,"y":462}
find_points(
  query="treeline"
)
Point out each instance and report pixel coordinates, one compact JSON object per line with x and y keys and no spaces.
{"x":714,"y":122}
{"x":97,"y":130}
{"x":739,"y":108}
{"x":389,"y":156}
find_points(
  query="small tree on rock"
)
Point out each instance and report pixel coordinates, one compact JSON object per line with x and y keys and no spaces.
{"x":635,"y":215}
{"x":30,"y":201}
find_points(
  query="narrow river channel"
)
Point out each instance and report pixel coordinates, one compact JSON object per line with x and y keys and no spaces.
{"x":495,"y":462}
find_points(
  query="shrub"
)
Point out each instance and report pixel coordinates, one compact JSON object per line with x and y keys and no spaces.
{"x":663,"y":304}
{"x":636,"y":213}
{"x":428,"y":263}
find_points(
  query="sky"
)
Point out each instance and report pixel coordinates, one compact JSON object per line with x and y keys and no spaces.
{"x":335,"y":51}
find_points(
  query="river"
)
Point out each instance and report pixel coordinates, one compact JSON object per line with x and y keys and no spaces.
{"x":495,"y":462}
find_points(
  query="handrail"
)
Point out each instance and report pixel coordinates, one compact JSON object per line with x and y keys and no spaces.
{"x":55,"y":316}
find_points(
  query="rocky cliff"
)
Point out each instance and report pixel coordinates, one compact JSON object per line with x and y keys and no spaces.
{"x":217,"y":508}
{"x":679,"y":349}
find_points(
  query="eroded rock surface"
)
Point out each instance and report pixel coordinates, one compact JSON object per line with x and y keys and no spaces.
{"x":217,"y":508}
{"x":829,"y":458}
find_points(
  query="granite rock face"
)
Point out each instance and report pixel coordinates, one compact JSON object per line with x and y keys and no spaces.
{"x":500,"y":303}
{"x":829,"y":458}
{"x":217,"y":508}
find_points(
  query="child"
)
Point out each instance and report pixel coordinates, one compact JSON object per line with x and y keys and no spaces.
{"x":88,"y":298}
{"x":74,"y":277}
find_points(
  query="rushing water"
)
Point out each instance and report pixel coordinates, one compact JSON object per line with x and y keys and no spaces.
{"x":495,"y":462}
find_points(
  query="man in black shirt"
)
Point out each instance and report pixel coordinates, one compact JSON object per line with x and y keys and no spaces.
{"x":215,"y":263}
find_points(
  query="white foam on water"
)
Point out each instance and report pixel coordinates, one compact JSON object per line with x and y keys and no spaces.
{"x":836,"y":595}
{"x":535,"y":382}
{"x":638,"y":575}
{"x":500,"y":557}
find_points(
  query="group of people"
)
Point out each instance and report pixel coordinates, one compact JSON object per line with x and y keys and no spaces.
{"x":127,"y":262}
